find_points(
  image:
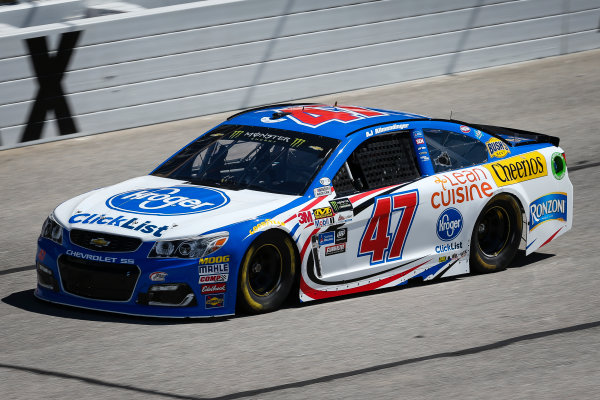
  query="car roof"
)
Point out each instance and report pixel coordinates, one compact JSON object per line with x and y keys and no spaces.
{"x":304,"y":117}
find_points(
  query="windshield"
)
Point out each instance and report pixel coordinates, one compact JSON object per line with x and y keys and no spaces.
{"x":247,"y":157}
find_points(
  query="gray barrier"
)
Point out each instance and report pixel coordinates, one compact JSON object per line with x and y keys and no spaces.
{"x":80,"y":76}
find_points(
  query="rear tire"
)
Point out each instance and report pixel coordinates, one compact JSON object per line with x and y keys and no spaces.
{"x":267,"y":273}
{"x":496,"y":235}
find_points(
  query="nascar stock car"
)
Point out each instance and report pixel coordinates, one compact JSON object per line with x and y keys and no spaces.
{"x":306,"y":200}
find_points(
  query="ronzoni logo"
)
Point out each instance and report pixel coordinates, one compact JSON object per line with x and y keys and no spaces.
{"x":180,"y":200}
{"x":518,"y":169}
{"x":546,"y":208}
{"x":449,"y":224}
{"x":497,"y":148}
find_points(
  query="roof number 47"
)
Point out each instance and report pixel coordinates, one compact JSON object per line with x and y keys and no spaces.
{"x":314,"y":116}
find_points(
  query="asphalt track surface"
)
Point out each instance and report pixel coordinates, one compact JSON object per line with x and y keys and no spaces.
{"x":531,"y":331}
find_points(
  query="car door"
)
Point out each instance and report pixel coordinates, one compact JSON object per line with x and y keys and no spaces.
{"x":460,"y":187}
{"x":375,"y":207}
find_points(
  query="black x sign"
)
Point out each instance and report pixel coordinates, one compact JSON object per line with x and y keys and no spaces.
{"x":49,"y":71}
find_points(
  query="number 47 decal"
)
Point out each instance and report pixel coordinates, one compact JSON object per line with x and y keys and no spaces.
{"x":375,"y":240}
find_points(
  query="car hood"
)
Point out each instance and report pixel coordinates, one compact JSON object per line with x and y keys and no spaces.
{"x":154,"y":208}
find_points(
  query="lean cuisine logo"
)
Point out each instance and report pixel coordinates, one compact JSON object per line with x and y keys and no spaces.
{"x":179,"y":200}
{"x":518,"y":169}
{"x":548,"y":207}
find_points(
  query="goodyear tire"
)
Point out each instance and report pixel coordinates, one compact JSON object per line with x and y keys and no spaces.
{"x":267,"y":273}
{"x":496,"y":235}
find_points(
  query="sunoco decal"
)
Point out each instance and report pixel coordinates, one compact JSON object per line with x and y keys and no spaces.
{"x":546,"y":208}
{"x":180,"y":200}
{"x":214,"y":301}
{"x":518,"y":169}
{"x":449,"y":224}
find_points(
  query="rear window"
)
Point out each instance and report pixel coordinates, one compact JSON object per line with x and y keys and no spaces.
{"x":451,"y":150}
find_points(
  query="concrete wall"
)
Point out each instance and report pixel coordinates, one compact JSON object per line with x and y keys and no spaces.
{"x":160,"y":64}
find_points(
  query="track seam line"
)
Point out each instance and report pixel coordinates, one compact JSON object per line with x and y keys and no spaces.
{"x":323,"y":379}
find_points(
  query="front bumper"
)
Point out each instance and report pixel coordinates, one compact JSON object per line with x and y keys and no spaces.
{"x":130,"y":283}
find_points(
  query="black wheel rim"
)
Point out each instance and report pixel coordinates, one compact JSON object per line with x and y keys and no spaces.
{"x":493,"y":231}
{"x":264,"y":273}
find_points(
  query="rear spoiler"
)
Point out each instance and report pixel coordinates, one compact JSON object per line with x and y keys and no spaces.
{"x":499,"y":132}
{"x":496,"y":131}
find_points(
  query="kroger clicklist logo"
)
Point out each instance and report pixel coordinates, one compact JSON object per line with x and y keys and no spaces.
{"x":449,"y":224}
{"x":180,"y":200}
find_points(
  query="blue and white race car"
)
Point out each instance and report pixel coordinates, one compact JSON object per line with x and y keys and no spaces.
{"x":306,"y":200}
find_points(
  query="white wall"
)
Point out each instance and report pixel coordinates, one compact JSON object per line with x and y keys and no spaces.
{"x":199,"y":58}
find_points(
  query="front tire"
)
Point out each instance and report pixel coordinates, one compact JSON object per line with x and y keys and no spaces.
{"x":496,"y":235}
{"x":267,"y":273}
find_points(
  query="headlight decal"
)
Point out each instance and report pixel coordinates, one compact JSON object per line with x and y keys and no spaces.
{"x":52,"y":230}
{"x":189,"y":248}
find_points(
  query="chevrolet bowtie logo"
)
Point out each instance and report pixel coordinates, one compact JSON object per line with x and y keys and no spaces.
{"x":100,"y":242}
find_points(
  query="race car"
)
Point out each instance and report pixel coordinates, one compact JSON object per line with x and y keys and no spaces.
{"x":306,"y":200}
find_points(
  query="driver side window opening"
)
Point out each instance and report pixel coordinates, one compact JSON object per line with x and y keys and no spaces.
{"x":381,"y":161}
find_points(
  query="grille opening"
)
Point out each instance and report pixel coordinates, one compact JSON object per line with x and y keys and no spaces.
{"x":97,"y":280}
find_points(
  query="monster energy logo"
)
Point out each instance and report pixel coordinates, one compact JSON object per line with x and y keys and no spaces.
{"x":236,"y":134}
{"x":297,"y":142}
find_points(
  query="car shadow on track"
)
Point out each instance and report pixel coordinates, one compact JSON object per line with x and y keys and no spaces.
{"x":25,"y":300}
{"x":521,"y":260}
